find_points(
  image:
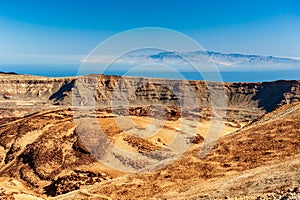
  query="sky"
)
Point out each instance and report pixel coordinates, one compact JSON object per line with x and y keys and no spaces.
{"x":50,"y":30}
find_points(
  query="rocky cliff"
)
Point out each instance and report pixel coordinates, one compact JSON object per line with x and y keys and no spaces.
{"x":23,"y":90}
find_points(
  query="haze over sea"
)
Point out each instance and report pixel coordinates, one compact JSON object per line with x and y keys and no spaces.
{"x":63,"y":70}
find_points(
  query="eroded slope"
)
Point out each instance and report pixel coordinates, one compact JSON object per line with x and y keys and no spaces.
{"x":251,"y":162}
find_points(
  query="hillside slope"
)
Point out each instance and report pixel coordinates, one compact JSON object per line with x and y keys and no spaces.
{"x":255,"y":161}
{"x":42,"y":156}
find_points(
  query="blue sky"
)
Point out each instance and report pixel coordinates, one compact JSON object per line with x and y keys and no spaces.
{"x":30,"y":29}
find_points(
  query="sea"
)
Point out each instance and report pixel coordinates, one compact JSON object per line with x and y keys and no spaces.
{"x":65,"y":70}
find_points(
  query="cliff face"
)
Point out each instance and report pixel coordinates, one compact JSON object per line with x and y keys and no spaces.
{"x":266,"y":95}
{"x":29,"y":89}
{"x":118,"y":91}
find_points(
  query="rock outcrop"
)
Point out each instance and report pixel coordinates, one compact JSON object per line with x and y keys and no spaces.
{"x":251,"y":98}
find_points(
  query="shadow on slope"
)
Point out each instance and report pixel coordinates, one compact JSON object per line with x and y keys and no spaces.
{"x":271,"y":94}
{"x":61,"y":93}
